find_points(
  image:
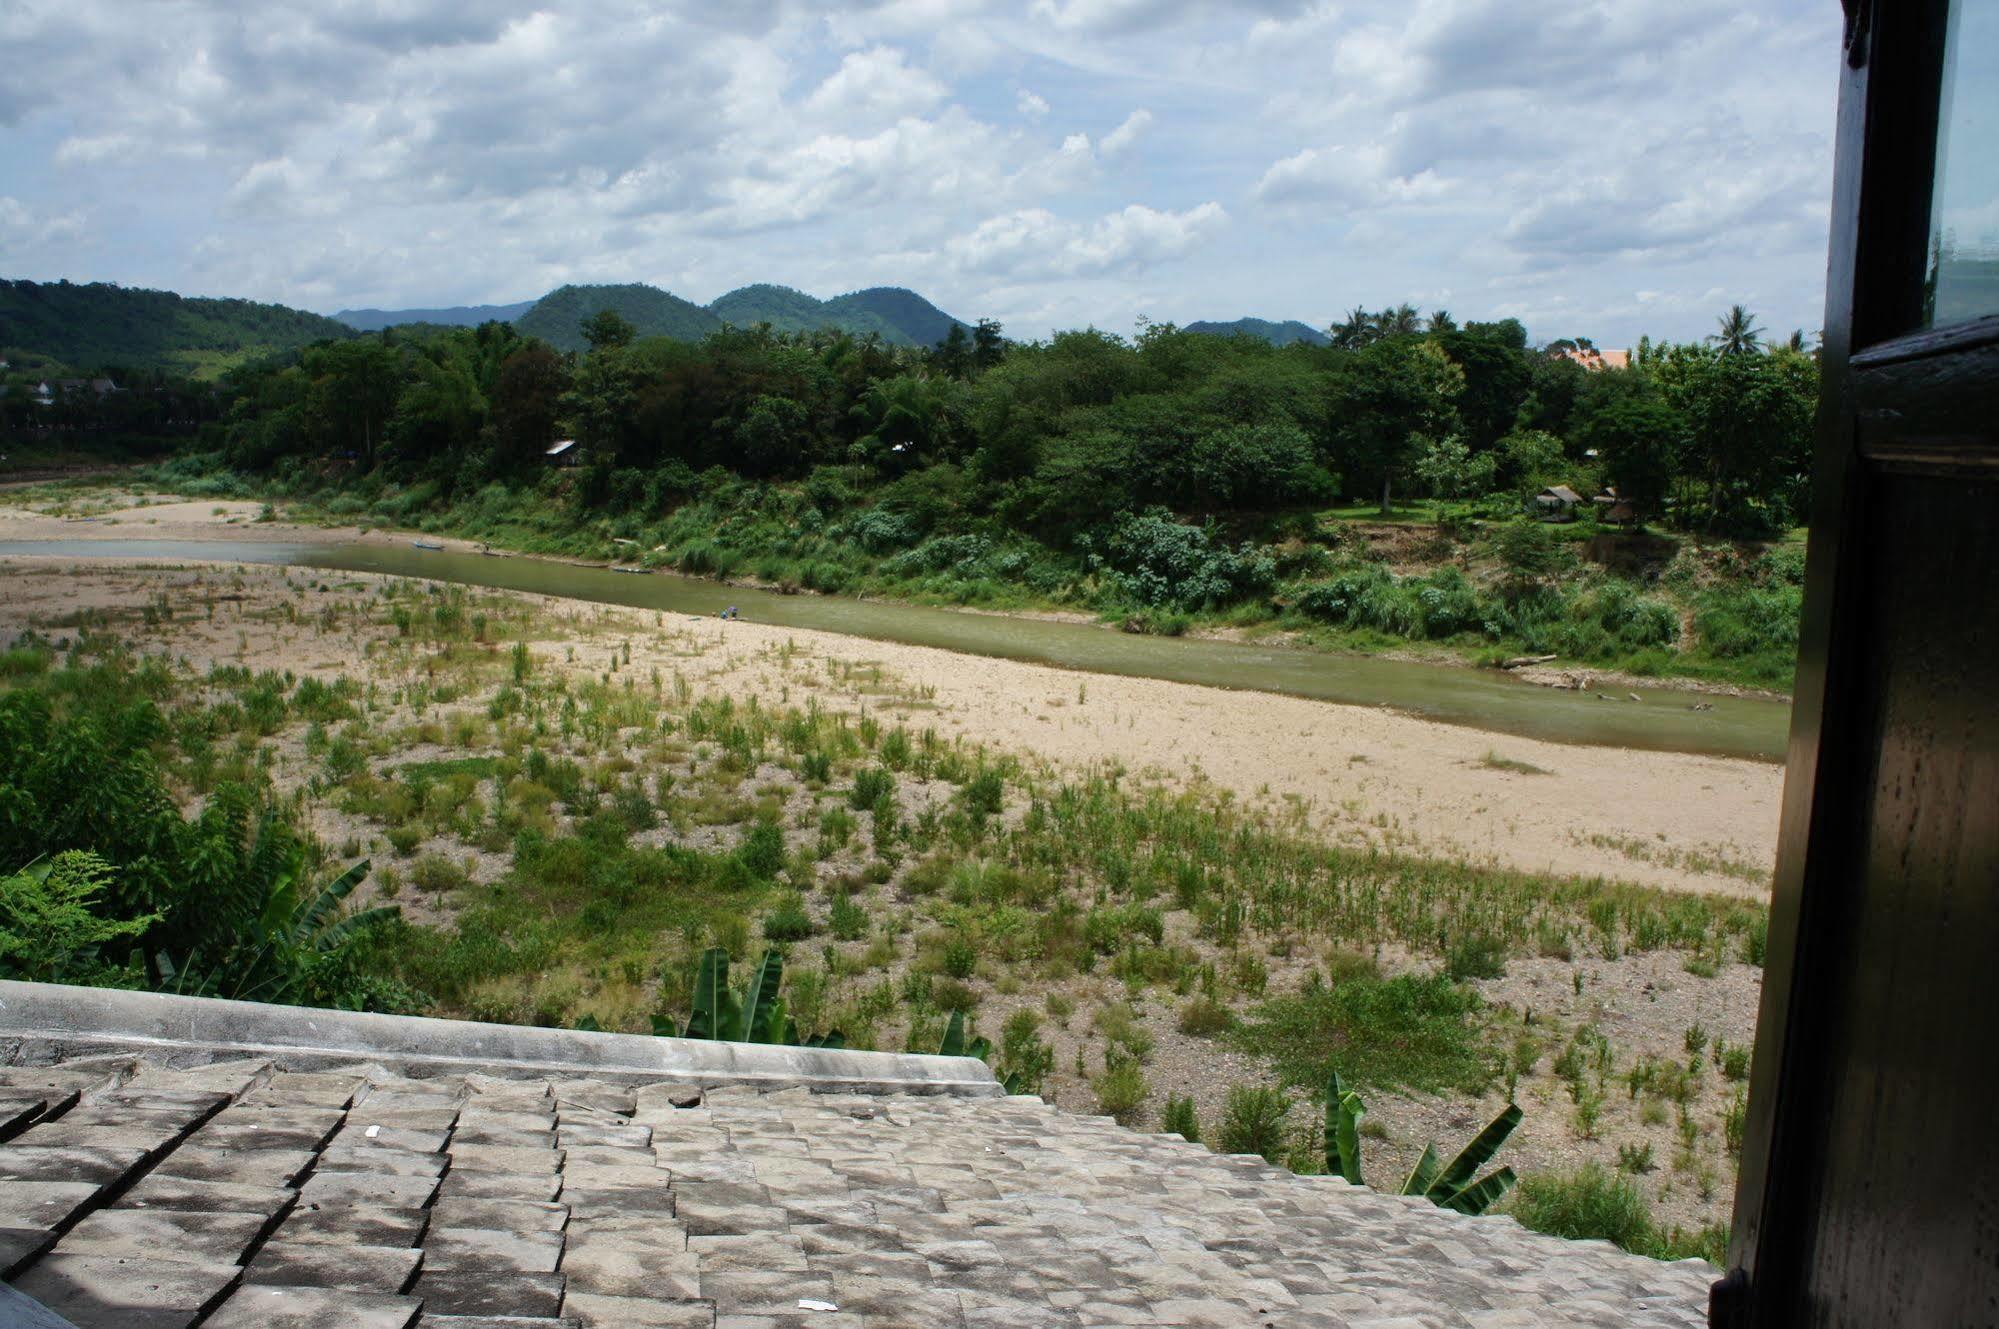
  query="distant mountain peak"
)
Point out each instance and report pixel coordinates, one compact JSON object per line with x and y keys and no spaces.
{"x":1278,"y":334}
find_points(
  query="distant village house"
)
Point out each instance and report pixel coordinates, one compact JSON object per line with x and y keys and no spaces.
{"x":564,"y":452}
{"x":1556,"y":503}
{"x":1589,"y":357}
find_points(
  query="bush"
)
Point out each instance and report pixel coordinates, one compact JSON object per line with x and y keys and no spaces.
{"x":437,"y":874}
{"x":762,"y":851}
{"x":1121,"y":1089}
{"x":788,"y":922}
{"x":873,"y":786}
{"x":1475,"y":955}
{"x":848,"y":921}
{"x":1108,"y":929}
{"x":1253,"y":1122}
{"x":1408,"y":1031}
{"x":1202,"y":1017}
{"x":1588,"y":1204}
{"x":1181,"y":1119}
{"x":1163,"y":563}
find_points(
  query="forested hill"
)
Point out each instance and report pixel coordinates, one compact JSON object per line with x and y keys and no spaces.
{"x":557,"y":318}
{"x":99,"y":325}
{"x":1277,"y":334}
{"x":457,"y":316}
{"x":899,"y":317}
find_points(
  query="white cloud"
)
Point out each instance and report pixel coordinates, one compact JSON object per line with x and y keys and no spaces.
{"x":336,"y":152}
{"x":1033,"y":242}
{"x":1126,"y":133}
{"x":876,"y":84}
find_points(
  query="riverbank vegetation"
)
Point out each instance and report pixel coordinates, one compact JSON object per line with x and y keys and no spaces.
{"x":1378,"y":492}
{"x":565,"y":816}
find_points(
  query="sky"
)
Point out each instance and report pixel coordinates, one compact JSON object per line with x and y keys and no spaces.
{"x":1598,"y":168}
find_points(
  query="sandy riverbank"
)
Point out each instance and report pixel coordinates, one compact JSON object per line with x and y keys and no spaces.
{"x":1357,"y":774}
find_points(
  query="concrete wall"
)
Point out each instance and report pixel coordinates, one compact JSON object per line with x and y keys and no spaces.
{"x":41,"y":1023}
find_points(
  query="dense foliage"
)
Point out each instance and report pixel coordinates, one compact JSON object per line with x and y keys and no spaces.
{"x":115,"y":885}
{"x":99,"y":324}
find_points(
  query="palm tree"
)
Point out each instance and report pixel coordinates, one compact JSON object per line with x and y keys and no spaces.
{"x":1353,"y":331}
{"x":1401,"y":321}
{"x":1441,"y":321}
{"x":1739,"y":334}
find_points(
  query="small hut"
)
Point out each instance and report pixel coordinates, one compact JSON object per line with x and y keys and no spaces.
{"x":1556,"y":503}
{"x":564,"y":452}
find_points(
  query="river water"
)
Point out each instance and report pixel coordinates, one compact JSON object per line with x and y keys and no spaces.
{"x":1661,"y":720}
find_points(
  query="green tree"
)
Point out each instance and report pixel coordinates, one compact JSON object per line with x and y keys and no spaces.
{"x":770,"y":438}
{"x":1391,"y":397}
{"x":525,"y":401}
{"x":1450,"y":469}
{"x":988,"y":344}
{"x":608,"y":329}
{"x":1629,"y":423}
{"x":355,"y":385}
{"x":954,"y":353}
{"x":1738,"y":334}
{"x":1749,"y":432}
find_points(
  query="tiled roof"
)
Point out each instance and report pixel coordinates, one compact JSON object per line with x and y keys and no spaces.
{"x":139,"y":1190}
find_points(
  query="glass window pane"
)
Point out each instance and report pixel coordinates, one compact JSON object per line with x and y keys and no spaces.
{"x":1963,"y":281}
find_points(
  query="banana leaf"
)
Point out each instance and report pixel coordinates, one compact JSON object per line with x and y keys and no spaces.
{"x":954,"y":1037}
{"x":705,"y":1016}
{"x":1344,"y":1110}
{"x":1479,"y":1197}
{"x":1458,"y":1174}
{"x":1423,"y":1177}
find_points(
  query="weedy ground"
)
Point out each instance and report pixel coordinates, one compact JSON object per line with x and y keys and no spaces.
{"x":570,"y":802}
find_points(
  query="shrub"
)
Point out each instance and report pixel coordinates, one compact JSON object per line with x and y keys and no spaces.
{"x":1407,"y":1031}
{"x":436,"y":873}
{"x":762,"y":850}
{"x":1108,"y":930}
{"x":1022,"y":1053}
{"x":848,"y":921}
{"x":873,"y":786}
{"x":1157,"y":561}
{"x":1475,"y":955}
{"x":1588,"y":1204}
{"x":1202,"y":1017}
{"x":1121,"y":1089}
{"x":960,"y":960}
{"x":1253,"y":1122}
{"x":1181,"y":1119}
{"x":788,"y":922}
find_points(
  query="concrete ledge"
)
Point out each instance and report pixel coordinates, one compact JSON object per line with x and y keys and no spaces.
{"x":46,"y":1022}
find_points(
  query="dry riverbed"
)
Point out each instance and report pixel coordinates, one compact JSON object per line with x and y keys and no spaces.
{"x":1337,"y":773}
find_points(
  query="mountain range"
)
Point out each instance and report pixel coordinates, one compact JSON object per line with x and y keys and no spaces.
{"x":457,"y":316}
{"x":1277,"y":334}
{"x":100,"y":325}
{"x":897,"y":316}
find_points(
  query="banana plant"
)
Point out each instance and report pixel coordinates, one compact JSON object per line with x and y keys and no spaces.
{"x":754,"y":1015}
{"x":1448,"y":1186}
{"x":954,"y":1044}
{"x":275,"y":959}
{"x":1343,"y":1113}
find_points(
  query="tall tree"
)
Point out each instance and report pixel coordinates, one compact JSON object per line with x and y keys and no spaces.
{"x":525,"y":402}
{"x":1738,"y":333}
{"x":355,"y":385}
{"x":1389,"y":399}
{"x":988,"y":345}
{"x":608,"y":328}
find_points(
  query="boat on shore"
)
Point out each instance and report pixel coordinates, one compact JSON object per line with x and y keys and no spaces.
{"x":431,"y":545}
